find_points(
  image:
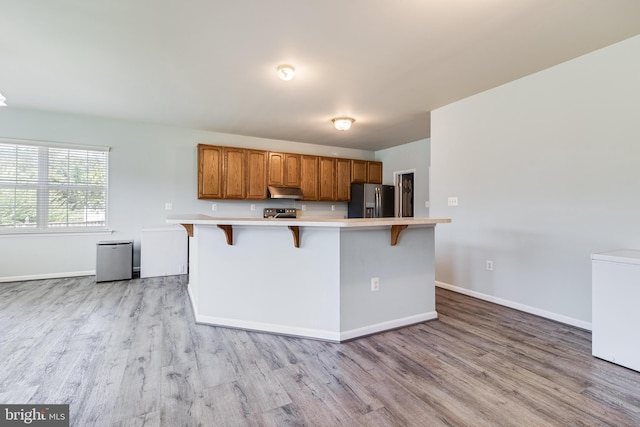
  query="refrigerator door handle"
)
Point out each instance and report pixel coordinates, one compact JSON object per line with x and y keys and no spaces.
{"x":377,"y":202}
{"x":400,"y":211}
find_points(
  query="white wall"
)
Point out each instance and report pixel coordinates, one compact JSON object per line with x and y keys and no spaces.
{"x":149,"y":165}
{"x":412,"y":156}
{"x":547,"y":171}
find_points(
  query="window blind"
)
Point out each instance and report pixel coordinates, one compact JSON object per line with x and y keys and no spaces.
{"x":48,"y":187}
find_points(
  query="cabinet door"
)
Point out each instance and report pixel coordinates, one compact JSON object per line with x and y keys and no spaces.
{"x":256,"y":174}
{"x":292,"y":174}
{"x":327,"y":181}
{"x":309,"y":177}
{"x":374,"y":174}
{"x":359,"y":171}
{"x":234,"y":173}
{"x":276,"y":169}
{"x":209,"y":172}
{"x":343,"y":180}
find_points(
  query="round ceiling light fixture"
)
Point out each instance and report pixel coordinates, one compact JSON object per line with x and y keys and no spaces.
{"x":286,"y":71}
{"x":343,"y":123}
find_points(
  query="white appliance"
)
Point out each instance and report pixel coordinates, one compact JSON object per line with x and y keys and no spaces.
{"x":163,"y":251}
{"x":615,"y":316}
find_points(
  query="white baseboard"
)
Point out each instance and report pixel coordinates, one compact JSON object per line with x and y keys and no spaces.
{"x":270,"y":328}
{"x":517,"y":306}
{"x":320,"y":334}
{"x":53,"y":275}
{"x":385,"y":326}
{"x":47,"y":276}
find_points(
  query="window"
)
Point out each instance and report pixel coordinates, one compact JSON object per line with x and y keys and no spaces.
{"x":47,"y":187}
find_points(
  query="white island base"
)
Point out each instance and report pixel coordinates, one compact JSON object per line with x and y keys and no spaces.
{"x":248,"y":273}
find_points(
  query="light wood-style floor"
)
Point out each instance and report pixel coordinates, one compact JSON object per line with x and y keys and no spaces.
{"x":129,"y":354}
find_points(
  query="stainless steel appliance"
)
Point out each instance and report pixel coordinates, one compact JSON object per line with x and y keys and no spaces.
{"x":371,"y":201}
{"x":279,"y":212}
{"x":114,"y":261}
{"x":276,"y":192}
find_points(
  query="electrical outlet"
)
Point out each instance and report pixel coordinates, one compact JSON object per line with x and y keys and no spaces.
{"x":426,"y":204}
{"x":452,"y":201}
{"x":375,"y":284}
{"x":181,"y":269}
{"x":253,"y":206}
{"x":304,"y":207}
{"x":214,"y":206}
{"x":168,"y":206}
{"x":333,"y":208}
{"x":489,"y":265}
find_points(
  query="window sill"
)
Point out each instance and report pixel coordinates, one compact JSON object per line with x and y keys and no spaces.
{"x":42,"y":233}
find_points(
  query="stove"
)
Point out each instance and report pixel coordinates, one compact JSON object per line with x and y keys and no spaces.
{"x":280,"y":212}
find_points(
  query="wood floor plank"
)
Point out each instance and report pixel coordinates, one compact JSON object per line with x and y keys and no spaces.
{"x":348,"y":364}
{"x":178,"y":345}
{"x":228,"y":405}
{"x":100,"y":308}
{"x":27,"y":311}
{"x":287,"y":415}
{"x":450,"y":396}
{"x":180,"y":392}
{"x":470,"y":384}
{"x":406,"y":407}
{"x":151,"y":419}
{"x":67,"y":371}
{"x":312,"y":399}
{"x":121,"y":334}
{"x":95,"y":402}
{"x":379,"y":418}
{"x":129,"y":353}
{"x":263,"y":392}
{"x":349,"y":394}
{"x":17,"y":394}
{"x":139,"y":392}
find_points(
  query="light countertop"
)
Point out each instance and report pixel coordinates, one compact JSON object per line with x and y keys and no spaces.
{"x":200,"y":219}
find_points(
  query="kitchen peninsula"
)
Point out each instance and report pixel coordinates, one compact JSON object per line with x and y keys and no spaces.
{"x":311,"y":277}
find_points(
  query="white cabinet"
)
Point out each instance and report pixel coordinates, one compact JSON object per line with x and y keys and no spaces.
{"x":163,"y":251}
{"x":616,"y":307}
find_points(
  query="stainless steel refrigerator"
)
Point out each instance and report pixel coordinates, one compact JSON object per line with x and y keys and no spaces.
{"x":372,"y":201}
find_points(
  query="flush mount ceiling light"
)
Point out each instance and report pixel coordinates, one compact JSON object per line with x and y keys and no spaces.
{"x":286,"y":71}
{"x":2,"y":99}
{"x":343,"y":123}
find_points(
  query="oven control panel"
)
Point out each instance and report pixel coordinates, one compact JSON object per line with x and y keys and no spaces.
{"x":280,"y":212}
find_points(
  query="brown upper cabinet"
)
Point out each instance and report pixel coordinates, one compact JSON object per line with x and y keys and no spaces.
{"x":233,"y":171}
{"x":256,"y":174}
{"x":209,"y":172}
{"x":292,"y":170}
{"x":239,"y":173}
{"x":359,"y":170}
{"x":284,"y":169}
{"x":327,"y":178}
{"x":276,"y":169}
{"x":366,"y":171}
{"x":374,"y":172}
{"x":343,"y":180}
{"x":309,"y":177}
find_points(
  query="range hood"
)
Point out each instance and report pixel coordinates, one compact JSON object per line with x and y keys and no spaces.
{"x":285,"y":192}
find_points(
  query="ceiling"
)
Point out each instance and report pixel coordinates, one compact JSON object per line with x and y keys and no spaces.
{"x":211,"y":64}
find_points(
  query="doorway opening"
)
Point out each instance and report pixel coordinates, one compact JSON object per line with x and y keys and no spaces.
{"x":404,"y":192}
